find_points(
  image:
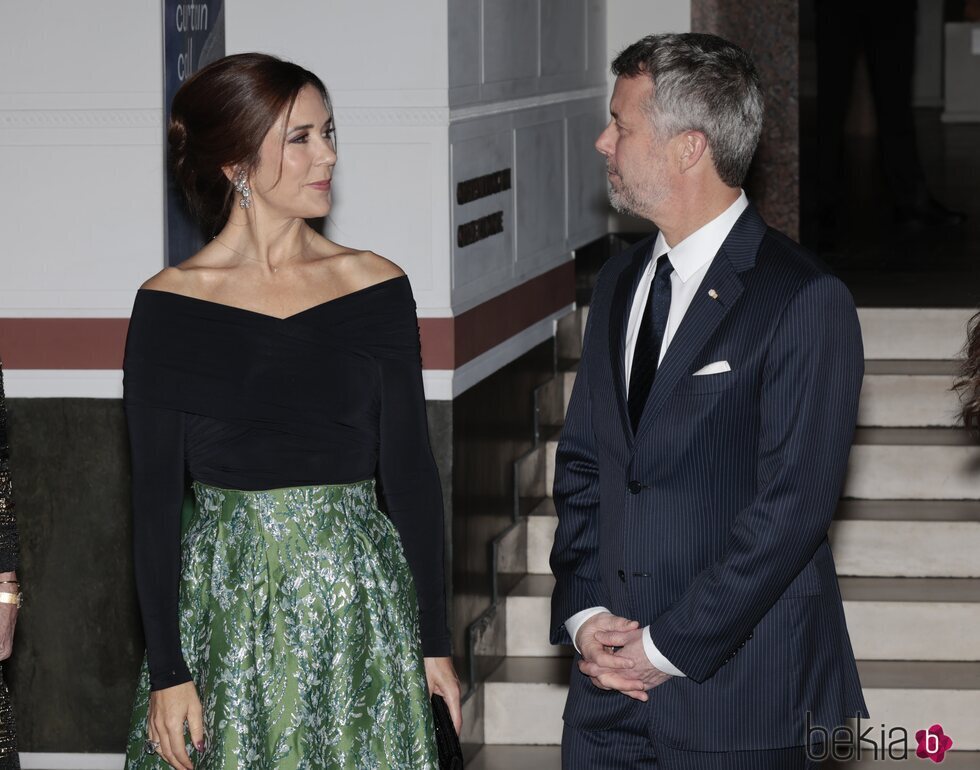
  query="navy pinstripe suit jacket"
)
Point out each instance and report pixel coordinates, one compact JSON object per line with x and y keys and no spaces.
{"x":710,"y":524}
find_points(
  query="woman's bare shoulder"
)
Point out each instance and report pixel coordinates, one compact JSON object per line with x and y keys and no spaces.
{"x":188,"y":276}
{"x":170,"y":279}
{"x":358,"y":269}
{"x":376,"y":268}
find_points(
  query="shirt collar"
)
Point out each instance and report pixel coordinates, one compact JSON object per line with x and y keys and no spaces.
{"x":700,"y":247}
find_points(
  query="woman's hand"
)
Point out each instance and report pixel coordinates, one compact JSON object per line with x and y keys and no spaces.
{"x":170,"y":708}
{"x":442,"y":680}
{"x":8,"y":616}
{"x":8,"y":621}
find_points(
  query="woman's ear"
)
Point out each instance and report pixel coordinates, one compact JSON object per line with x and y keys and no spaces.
{"x":230,"y":172}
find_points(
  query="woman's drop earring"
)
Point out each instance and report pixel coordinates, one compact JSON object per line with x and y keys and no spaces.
{"x":241,"y":187}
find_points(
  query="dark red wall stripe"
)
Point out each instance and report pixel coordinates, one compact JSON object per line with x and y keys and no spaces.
{"x":62,"y":343}
{"x":498,"y":319}
{"x":447,"y":343}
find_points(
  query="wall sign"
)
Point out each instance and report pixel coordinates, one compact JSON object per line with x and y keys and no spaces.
{"x":469,"y":233}
{"x":482,"y":186}
{"x":193,"y":36}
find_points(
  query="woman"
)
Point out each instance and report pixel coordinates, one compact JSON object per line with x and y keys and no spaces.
{"x":9,"y":591}
{"x":968,"y":383}
{"x":283,"y":372}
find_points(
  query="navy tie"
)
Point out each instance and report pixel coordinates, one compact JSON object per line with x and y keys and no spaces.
{"x":646,"y":353}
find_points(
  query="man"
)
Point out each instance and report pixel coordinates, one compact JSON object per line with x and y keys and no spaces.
{"x":704,"y":449}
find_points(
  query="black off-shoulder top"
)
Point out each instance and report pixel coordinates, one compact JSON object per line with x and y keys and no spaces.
{"x":243,"y":400}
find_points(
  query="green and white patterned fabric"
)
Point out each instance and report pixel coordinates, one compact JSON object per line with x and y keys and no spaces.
{"x":299,"y":623}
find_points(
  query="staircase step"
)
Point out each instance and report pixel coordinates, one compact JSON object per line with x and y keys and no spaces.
{"x":888,"y":618}
{"x":525,"y":697}
{"x":909,"y":510}
{"x":549,"y":758}
{"x":887,"y":464}
{"x":528,"y":617}
{"x":869,"y":538}
{"x":908,"y":393}
{"x":913,"y":464}
{"x":902,"y":538}
{"x":516,"y":758}
{"x":916,"y":695}
{"x":914,"y":333}
{"x":550,"y":451}
{"x":897,"y":618}
{"x":569,"y":333}
{"x":540,"y":537}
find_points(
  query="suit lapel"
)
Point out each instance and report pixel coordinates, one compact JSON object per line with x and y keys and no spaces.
{"x":622,"y":303}
{"x":706,"y":313}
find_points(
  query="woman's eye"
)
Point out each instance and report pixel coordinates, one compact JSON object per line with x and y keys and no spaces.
{"x":301,"y":139}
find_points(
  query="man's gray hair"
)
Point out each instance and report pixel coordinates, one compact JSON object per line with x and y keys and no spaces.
{"x":702,"y":83}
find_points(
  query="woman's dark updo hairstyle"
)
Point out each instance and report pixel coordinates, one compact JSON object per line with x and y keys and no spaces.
{"x":968,"y":382}
{"x":219,"y":118}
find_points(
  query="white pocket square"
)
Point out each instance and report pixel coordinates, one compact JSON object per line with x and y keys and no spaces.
{"x":716,"y":368}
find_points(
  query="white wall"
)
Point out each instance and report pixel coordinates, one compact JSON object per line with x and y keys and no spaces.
{"x":629,"y":20}
{"x":527,"y":91}
{"x":80,"y":156}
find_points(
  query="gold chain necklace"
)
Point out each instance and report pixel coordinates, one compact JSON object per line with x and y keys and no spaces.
{"x":256,"y":259}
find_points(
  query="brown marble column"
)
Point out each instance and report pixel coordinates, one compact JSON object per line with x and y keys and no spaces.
{"x":769,"y":31}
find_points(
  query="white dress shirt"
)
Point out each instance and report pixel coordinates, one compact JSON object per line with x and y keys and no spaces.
{"x":691,"y":259}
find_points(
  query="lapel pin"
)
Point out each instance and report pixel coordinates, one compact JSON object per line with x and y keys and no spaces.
{"x":713,"y":294}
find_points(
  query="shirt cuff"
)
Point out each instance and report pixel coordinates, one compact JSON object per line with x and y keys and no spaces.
{"x":574,"y":623}
{"x":655,"y":656}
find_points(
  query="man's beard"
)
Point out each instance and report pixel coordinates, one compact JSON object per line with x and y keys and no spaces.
{"x":627,"y":199}
{"x":624,"y":200}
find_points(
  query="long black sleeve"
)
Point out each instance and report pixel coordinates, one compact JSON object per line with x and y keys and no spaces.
{"x":156,"y":438}
{"x":410,"y":482}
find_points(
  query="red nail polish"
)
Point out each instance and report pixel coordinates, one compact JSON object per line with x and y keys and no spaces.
{"x":200,"y":746}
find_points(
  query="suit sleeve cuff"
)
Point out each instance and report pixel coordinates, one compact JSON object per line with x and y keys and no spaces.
{"x":574,"y":623}
{"x":656,"y":657}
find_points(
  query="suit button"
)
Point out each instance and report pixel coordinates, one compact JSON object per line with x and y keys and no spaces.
{"x":634,"y":487}
{"x":622,"y":575}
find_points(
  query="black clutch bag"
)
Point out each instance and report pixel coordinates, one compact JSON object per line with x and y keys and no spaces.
{"x":450,"y":753}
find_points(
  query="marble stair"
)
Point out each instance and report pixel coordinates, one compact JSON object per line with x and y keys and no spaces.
{"x":906,"y":540}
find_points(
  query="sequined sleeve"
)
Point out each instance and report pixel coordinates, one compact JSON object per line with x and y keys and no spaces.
{"x":9,"y":545}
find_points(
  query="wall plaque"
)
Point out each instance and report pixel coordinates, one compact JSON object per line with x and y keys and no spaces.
{"x":482,"y":186}
{"x":469,"y":233}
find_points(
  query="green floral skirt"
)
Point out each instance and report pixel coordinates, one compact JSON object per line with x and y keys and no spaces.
{"x":299,"y":623}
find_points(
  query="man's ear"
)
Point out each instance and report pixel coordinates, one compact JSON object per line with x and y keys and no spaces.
{"x":692,"y":146}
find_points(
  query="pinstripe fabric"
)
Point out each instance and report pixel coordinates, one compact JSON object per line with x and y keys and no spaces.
{"x":722,"y":548}
{"x":629,"y":747}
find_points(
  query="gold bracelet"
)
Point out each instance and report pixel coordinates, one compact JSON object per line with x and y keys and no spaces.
{"x":9,"y":598}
